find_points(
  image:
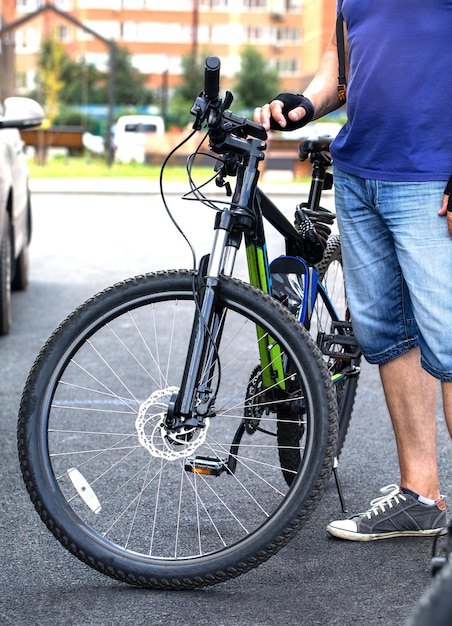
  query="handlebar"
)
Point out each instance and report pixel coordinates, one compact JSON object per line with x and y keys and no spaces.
{"x":212,"y":78}
{"x":208,"y":107}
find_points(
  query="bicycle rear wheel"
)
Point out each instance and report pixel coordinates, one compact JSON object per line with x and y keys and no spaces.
{"x":156,"y":508}
{"x":331,"y":307}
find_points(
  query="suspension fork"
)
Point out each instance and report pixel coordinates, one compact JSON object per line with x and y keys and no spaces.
{"x":194,"y":401}
{"x":195,"y":398}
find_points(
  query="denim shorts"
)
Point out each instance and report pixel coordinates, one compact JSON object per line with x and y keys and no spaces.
{"x":397,"y":257}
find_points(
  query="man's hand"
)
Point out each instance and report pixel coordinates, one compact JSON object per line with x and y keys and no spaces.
{"x":446,"y":209}
{"x":263,"y":115}
{"x":290,"y":111}
{"x":446,"y":205}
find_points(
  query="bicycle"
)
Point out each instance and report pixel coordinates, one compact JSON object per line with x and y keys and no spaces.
{"x":178,"y":428}
{"x":435,"y":604}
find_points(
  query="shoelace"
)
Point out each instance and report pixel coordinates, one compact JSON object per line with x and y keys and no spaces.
{"x":391,"y":495}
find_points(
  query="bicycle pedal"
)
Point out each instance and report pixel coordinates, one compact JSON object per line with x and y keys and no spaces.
{"x":340,"y":342}
{"x":210,"y":466}
{"x":347,"y":372}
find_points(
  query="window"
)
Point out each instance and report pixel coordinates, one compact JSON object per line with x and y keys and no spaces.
{"x":63,"y":33}
{"x":64,"y":5}
{"x":25,"y":6}
{"x":227,"y":33}
{"x":156,"y":32}
{"x":100,"y":60}
{"x":21,"y":81}
{"x":294,"y":5}
{"x":288,"y":67}
{"x":129,"y":31}
{"x":260,"y":34}
{"x":107,"y":29}
{"x":155,"y":63}
{"x":114,"y":5}
{"x":173,"y":5}
{"x":288,"y":35}
{"x":255,"y":4}
{"x":134,"y":4}
{"x":27,"y":40}
{"x":213,"y":4}
{"x":25,"y":81}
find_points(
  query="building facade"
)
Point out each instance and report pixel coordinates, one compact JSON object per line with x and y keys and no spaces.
{"x":292,"y":34}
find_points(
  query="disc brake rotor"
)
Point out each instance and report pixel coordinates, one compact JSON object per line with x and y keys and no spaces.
{"x":155,"y":437}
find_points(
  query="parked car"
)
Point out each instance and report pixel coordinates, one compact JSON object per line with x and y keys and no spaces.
{"x":15,"y":206}
{"x":131,"y":135}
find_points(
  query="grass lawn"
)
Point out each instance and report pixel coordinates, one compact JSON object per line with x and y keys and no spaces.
{"x":88,"y":167}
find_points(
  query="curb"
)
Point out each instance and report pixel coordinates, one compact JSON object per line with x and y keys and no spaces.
{"x":141,"y":186}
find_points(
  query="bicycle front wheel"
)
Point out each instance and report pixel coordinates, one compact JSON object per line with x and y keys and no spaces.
{"x":161,"y":509}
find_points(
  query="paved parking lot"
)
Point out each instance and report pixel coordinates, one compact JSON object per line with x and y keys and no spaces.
{"x":81,"y":244}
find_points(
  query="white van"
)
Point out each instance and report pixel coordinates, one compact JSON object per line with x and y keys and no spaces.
{"x":131,"y":135}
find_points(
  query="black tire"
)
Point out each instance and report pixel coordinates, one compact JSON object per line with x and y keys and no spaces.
{"x":22,"y":270}
{"x":333,"y":293}
{"x":21,"y":276}
{"x":435,"y":605}
{"x":159,"y":525}
{"x":5,"y":278}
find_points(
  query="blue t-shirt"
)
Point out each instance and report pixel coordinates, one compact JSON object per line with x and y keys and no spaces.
{"x":399,"y":94}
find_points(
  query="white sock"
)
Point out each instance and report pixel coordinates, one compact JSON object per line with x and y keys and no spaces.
{"x":426,"y":500}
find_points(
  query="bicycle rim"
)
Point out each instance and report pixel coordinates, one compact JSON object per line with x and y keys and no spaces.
{"x":176,"y":511}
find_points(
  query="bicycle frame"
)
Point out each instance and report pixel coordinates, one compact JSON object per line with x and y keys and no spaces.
{"x":242,"y":219}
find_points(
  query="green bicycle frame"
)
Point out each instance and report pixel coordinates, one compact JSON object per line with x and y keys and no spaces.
{"x":270,"y":353}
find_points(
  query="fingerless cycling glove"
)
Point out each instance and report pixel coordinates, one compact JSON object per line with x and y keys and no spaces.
{"x":292,"y":101}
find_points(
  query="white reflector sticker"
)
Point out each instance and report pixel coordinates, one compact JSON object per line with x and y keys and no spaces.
{"x":84,"y":490}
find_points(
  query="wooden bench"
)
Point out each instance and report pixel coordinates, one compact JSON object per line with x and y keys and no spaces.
{"x":70,"y":137}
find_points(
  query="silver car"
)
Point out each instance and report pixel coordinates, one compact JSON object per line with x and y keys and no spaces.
{"x":15,"y":208}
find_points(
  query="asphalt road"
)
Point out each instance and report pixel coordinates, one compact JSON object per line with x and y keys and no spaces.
{"x":82,"y":243}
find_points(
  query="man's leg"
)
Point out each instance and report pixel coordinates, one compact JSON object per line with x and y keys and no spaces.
{"x":411,"y":398}
{"x":447,"y":402}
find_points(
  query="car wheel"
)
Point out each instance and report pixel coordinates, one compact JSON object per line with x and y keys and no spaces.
{"x":22,"y":265}
{"x":21,"y":274}
{"x":5,"y":279}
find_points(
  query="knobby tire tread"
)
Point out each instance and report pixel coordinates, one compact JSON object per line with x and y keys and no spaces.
{"x":435,"y":605}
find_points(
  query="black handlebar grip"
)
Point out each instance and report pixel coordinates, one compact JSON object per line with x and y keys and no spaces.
{"x":212,"y":78}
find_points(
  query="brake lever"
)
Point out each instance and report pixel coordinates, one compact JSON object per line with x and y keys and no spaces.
{"x":248,"y":127}
{"x":199,"y":109}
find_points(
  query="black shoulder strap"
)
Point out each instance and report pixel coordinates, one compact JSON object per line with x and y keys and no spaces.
{"x":342,"y":79}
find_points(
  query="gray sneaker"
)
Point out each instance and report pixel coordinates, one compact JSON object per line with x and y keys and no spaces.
{"x":394,"y":514}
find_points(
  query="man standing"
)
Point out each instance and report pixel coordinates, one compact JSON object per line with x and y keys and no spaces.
{"x":392,"y":164}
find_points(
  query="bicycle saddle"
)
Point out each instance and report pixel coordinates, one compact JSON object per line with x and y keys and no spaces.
{"x":311,"y":146}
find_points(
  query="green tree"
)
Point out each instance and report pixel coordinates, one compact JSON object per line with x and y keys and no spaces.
{"x":185,"y":93}
{"x":130,"y":84}
{"x":61,"y":80}
{"x":51,"y":61}
{"x":81,"y":81}
{"x":256,"y":81}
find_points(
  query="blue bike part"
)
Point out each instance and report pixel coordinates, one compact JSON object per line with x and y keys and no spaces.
{"x":294,"y":284}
